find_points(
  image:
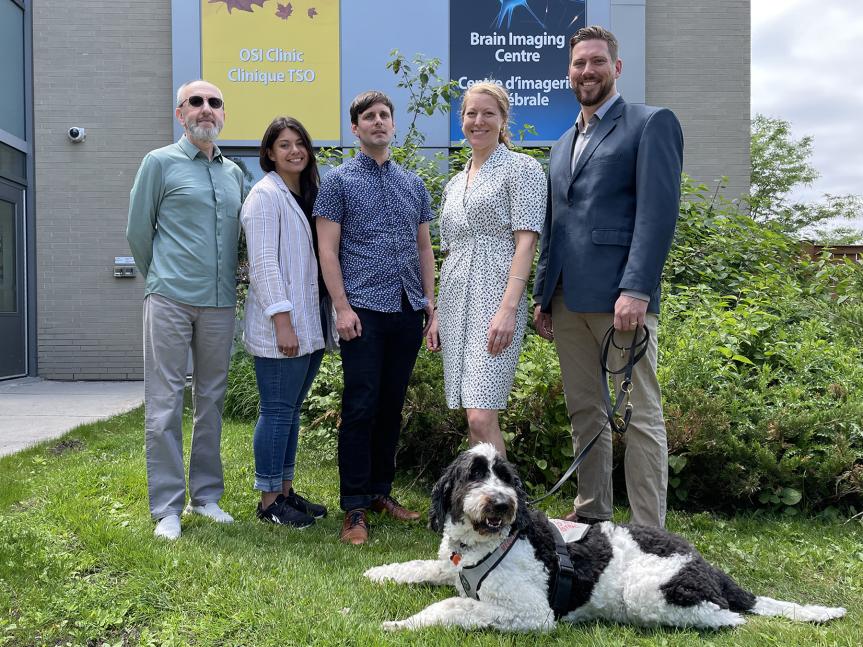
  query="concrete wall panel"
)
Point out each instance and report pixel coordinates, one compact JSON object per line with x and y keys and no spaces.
{"x":698,"y":57}
{"x":105,"y":66}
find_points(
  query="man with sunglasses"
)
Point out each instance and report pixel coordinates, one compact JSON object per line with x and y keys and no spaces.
{"x":183,"y":231}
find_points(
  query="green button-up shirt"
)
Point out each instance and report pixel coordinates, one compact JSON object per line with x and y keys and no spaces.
{"x":184,"y":224}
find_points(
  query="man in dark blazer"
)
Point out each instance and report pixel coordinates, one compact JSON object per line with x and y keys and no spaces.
{"x":614,"y":194}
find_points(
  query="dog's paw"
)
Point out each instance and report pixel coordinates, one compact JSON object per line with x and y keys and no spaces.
{"x":394,"y":625}
{"x":379,"y":574}
{"x":825,"y":614}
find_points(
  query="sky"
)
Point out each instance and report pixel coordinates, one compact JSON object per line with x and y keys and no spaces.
{"x":807,"y":68}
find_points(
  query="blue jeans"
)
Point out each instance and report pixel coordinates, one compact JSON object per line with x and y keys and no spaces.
{"x":282,"y":385}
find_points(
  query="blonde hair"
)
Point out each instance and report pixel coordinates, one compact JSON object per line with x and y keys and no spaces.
{"x":501,"y":98}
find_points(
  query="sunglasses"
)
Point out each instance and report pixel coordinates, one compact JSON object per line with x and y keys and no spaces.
{"x":196,"y":102}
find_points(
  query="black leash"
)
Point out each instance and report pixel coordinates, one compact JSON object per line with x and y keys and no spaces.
{"x":618,"y":423}
{"x":636,"y":352}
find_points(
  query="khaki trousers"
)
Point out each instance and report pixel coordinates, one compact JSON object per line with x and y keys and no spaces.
{"x":578,"y":338}
{"x":170,"y":330}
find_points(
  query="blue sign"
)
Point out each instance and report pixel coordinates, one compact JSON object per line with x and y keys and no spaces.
{"x":524,"y":46}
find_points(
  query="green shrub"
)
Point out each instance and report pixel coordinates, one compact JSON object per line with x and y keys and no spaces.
{"x":760,"y":401}
{"x":241,"y":396}
{"x":760,"y":364}
{"x":322,"y":408}
{"x":535,"y":424}
{"x":432,"y":434}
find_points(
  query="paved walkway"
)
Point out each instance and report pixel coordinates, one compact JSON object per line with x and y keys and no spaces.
{"x":33,"y":410}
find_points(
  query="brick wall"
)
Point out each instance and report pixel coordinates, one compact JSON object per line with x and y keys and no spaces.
{"x":105,"y":66}
{"x":698,"y":56}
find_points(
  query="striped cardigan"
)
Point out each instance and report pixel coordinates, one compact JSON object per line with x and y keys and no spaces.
{"x":283,"y":271}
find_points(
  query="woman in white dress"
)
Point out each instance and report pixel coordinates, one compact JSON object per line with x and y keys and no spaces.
{"x":490,"y":220}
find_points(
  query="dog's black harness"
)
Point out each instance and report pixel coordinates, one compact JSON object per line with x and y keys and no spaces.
{"x":618,"y":422}
{"x":560,"y":589}
{"x":470,"y":578}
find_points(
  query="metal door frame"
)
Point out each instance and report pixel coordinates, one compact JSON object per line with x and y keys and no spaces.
{"x":19,"y":199}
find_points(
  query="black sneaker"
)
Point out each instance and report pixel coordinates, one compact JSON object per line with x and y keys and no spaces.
{"x":278,"y":512}
{"x":305,"y":506}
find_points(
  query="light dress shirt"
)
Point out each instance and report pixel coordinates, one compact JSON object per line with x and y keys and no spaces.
{"x":283,"y":271}
{"x":184,"y":224}
{"x":585,"y":130}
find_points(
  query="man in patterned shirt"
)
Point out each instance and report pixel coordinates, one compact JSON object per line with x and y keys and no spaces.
{"x":378,"y":264}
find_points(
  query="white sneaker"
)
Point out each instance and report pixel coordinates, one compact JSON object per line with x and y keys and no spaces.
{"x":168,"y":527}
{"x":211,"y":511}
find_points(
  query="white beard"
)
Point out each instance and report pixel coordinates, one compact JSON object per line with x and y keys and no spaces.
{"x":204,"y":134}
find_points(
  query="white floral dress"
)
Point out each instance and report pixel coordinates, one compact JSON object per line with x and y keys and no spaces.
{"x":507,"y":194}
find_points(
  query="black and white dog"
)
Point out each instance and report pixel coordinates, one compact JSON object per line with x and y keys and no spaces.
{"x":624,"y":573}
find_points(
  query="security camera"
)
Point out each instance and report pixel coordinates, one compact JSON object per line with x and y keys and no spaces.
{"x":76,"y":134}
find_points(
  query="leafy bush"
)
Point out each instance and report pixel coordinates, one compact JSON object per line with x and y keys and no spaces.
{"x":241,"y":396}
{"x":758,"y":404}
{"x":760,"y":365}
{"x":536,"y":424}
{"x":432,"y":433}
{"x":322,"y":408}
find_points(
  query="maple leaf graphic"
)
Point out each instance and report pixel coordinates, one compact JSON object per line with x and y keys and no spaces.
{"x":284,"y":11}
{"x":312,"y":12}
{"x":242,"y":5}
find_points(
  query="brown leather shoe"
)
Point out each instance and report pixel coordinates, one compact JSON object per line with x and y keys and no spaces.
{"x":394,"y":508}
{"x":355,"y":528}
{"x":573,"y":517}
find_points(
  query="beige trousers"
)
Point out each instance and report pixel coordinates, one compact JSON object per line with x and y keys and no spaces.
{"x":578,"y":338}
{"x":170,"y":330}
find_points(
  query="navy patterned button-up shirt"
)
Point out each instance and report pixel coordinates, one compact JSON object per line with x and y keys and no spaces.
{"x":380,"y":208}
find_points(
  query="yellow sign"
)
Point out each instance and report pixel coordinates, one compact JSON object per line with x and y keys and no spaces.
{"x":271,"y":59}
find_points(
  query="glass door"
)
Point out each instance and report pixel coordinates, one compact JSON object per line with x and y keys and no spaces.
{"x":13,"y":313}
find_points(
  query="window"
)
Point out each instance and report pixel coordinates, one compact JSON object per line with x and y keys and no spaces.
{"x":12,"y":69}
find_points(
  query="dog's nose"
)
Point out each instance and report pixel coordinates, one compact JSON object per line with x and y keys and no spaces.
{"x":500,"y":507}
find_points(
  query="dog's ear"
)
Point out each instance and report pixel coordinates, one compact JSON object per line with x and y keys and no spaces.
{"x":440,"y":498}
{"x":522,"y":519}
{"x":439,"y":505}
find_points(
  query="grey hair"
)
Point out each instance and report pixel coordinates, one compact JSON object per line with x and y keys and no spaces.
{"x":187,"y":84}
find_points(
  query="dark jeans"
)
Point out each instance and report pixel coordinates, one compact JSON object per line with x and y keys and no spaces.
{"x":377,"y":366}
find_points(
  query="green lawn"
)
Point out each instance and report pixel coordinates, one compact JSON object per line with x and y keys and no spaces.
{"x":79,"y":564}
